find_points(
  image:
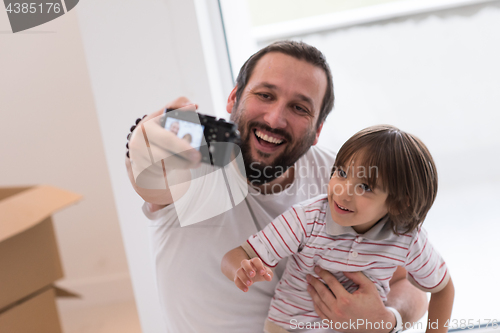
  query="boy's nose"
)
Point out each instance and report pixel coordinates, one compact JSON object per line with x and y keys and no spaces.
{"x":347,"y":193}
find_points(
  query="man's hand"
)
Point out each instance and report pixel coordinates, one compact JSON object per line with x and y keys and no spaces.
{"x":252,"y":270}
{"x":339,"y":306}
{"x":155,"y":152}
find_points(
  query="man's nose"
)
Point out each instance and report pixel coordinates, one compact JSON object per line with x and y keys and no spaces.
{"x":275,"y":116}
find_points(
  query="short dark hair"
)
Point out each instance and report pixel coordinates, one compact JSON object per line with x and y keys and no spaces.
{"x":405,"y":167}
{"x":300,"y":51}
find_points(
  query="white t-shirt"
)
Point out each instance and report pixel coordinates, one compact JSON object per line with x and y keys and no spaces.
{"x":195,"y":295}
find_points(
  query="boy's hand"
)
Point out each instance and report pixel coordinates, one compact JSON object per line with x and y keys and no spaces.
{"x":252,"y":270}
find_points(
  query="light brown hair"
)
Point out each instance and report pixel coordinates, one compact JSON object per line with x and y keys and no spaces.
{"x":300,"y":51}
{"x":404,"y":166}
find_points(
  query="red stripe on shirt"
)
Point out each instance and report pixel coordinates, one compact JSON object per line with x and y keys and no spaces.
{"x":271,"y":244}
{"x":301,"y":280}
{"x":298,"y":265}
{"x":400,"y":247}
{"x":379,"y":255}
{"x":430,"y":287}
{"x":305,"y":233}
{"x":430,"y":257}
{"x":284,"y":218}
{"x":302,"y":261}
{"x":423,"y":249}
{"x":292,"y":294}
{"x":294,"y":306}
{"x":312,"y":210}
{"x":289,"y":249}
{"x":259,"y":255}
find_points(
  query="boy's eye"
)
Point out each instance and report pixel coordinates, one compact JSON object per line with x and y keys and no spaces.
{"x":366,"y":188}
{"x":341,"y":173}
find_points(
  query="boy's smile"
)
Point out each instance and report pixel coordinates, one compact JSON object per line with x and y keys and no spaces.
{"x":341,"y":209}
{"x":352,"y":202}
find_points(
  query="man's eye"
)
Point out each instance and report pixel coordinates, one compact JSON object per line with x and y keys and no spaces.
{"x":366,"y":188}
{"x":264,"y":96}
{"x":301,"y":109}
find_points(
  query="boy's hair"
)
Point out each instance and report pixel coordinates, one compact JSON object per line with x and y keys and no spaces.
{"x":300,"y":51}
{"x":403,"y":164}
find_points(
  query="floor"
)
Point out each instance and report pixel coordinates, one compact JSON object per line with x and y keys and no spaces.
{"x":105,"y":318}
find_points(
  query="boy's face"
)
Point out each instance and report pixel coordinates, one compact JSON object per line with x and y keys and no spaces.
{"x":352,"y":202}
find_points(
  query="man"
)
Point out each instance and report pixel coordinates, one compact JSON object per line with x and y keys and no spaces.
{"x":283,"y":94}
{"x":174,"y":127}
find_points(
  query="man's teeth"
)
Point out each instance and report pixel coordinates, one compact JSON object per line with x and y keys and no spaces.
{"x":267,"y":138}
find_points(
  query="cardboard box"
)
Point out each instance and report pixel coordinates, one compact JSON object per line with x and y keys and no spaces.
{"x":29,"y":258}
{"x":36,"y":314}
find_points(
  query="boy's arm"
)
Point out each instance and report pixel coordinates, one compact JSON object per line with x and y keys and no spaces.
{"x":238,"y":267}
{"x":231,"y":262}
{"x":440,"y":308}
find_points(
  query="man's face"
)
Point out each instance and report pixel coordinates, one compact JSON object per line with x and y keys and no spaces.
{"x":174,"y":128}
{"x":277,"y":114}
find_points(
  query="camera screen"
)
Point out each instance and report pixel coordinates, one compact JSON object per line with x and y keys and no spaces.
{"x":186,"y":130}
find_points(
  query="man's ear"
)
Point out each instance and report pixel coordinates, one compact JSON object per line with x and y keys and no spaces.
{"x":231,"y":100}
{"x":318,"y":132}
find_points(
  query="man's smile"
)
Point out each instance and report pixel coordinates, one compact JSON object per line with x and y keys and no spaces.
{"x":269,"y":138}
{"x":268,"y":142}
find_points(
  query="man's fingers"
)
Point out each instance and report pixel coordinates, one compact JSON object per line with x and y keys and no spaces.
{"x":360,"y":279}
{"x":164,"y":144}
{"x":335,"y":286}
{"x":178,"y":103}
{"x":318,"y":286}
{"x":188,"y":107}
{"x":320,"y":312}
{"x":314,"y":289}
{"x":153,"y":115}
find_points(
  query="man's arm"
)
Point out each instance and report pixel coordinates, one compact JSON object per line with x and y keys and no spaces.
{"x":150,"y":140}
{"x":365,"y":304}
{"x":410,"y":301}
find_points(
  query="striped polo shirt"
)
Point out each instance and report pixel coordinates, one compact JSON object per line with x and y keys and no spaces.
{"x":307,"y":233}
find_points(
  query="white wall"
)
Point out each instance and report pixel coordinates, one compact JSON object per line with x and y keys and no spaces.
{"x":50,"y":135}
{"x":142,"y":55}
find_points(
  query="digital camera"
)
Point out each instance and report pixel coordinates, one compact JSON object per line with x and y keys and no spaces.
{"x":214,"y":138}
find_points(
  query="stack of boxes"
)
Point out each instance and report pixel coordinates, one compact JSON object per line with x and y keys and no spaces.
{"x":29,"y":258}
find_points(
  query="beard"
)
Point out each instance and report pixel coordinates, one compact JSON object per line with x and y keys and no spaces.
{"x":258,"y":172}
